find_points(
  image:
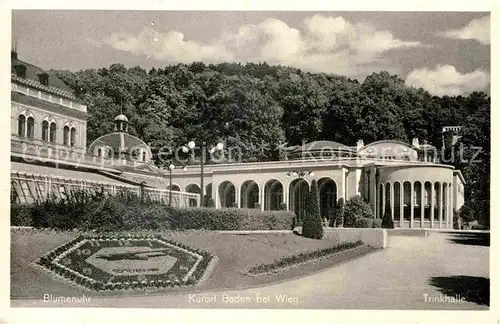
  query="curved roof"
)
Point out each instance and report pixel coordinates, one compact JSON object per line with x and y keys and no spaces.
{"x":388,"y":141}
{"x":120,"y":140}
{"x":322,"y":145}
{"x":121,"y":117}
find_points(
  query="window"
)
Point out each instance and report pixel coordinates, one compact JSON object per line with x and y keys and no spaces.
{"x":21,"y":129}
{"x":110,"y":153}
{"x":144,"y":156}
{"x":52,"y":135}
{"x":31,"y":127}
{"x":73,"y":136}
{"x":99,"y":152}
{"x":45,"y":130}
{"x":66,"y":135}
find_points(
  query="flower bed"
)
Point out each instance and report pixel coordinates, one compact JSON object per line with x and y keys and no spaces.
{"x":287,"y":263}
{"x":104,"y":262}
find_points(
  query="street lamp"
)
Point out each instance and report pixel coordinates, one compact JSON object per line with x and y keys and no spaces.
{"x":190,"y":146}
{"x":171,"y":166}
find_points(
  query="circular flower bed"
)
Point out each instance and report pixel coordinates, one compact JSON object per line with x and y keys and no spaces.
{"x":121,"y":262}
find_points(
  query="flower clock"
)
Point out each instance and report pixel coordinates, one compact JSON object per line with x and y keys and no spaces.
{"x":127,"y":262}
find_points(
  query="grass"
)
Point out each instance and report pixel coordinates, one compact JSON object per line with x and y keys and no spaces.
{"x":236,"y":253}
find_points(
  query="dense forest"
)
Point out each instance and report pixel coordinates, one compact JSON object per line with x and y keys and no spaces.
{"x":260,"y":108}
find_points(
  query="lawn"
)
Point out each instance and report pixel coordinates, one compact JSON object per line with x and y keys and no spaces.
{"x":237,"y":253}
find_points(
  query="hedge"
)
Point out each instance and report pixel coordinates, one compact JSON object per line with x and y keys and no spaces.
{"x":115,"y":213}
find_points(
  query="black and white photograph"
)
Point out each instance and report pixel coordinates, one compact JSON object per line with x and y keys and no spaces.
{"x":284,"y":160}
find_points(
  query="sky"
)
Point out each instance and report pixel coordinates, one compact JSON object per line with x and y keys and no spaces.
{"x":446,"y":53}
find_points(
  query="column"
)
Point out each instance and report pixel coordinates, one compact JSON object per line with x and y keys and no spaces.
{"x":422,"y":204}
{"x":237,"y":195}
{"x":391,"y":186}
{"x":440,"y":205}
{"x":286,"y":189}
{"x":382,"y":211}
{"x":216,"y":196}
{"x":401,"y":204}
{"x":432,"y":204}
{"x":412,"y":204}
{"x":262,"y":200}
{"x":449,"y":220}
{"x":373,"y":192}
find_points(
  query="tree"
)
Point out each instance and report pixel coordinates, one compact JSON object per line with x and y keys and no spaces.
{"x":387,"y":221}
{"x":313,"y":226}
{"x":356,"y":207}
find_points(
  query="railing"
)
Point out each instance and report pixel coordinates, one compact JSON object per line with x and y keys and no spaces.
{"x":28,"y":188}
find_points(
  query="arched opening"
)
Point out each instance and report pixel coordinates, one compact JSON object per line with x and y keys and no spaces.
{"x":327,"y":196}
{"x":143,"y":156}
{"x":174,"y":187}
{"x":99,"y":152}
{"x":273,"y":195}
{"x":406,"y":200}
{"x":30,"y":127}
{"x":52,"y":134}
{"x":21,"y":126}
{"x":388,"y":205}
{"x":73,"y":136}
{"x":299,"y":189}
{"x":193,"y":188}
{"x":418,"y":201}
{"x":427,"y":200}
{"x":66,"y":135}
{"x":227,"y":194}
{"x":208,"y":190}
{"x":45,"y":130}
{"x":437,"y":195}
{"x":249,"y":194}
{"x":397,"y":201}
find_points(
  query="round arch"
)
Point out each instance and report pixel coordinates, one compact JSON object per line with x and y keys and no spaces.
{"x":298,"y":189}
{"x":327,"y":188}
{"x":273,"y":194}
{"x":249,"y":191}
{"x":227,"y":194}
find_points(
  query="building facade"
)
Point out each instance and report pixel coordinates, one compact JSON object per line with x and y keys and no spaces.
{"x":49,"y":156}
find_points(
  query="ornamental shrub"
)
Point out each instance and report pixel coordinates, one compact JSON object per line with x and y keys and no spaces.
{"x":387,"y":221}
{"x":282,"y":206}
{"x":377,"y":223}
{"x":354,"y":208}
{"x":363,"y":222}
{"x":20,"y":215}
{"x":313,"y":224}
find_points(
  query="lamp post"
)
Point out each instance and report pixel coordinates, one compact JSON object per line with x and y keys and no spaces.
{"x":299,"y":174}
{"x":171,"y":166}
{"x":191,"y":146}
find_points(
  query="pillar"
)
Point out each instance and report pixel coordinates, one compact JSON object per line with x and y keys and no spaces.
{"x":237,"y":195}
{"x":440,"y":205}
{"x":286,"y":193}
{"x":373,"y":192}
{"x":261,"y":194}
{"x":449,"y":220}
{"x":216,"y":196}
{"x":412,"y":204}
{"x":401,"y":203}
{"x":422,"y":204}
{"x":382,"y":211}
{"x":391,"y":188}
{"x":432,"y":205}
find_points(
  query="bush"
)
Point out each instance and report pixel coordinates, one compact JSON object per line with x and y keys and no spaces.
{"x":387,"y":221}
{"x":363,"y":222}
{"x":282,"y":206}
{"x":209,"y":202}
{"x":128,"y":212}
{"x":234,"y":205}
{"x":377,"y":223}
{"x":313,"y":225}
{"x":20,"y":215}
{"x":257,"y":206}
{"x":354,"y":208}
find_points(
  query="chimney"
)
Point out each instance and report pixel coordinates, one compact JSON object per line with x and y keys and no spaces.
{"x":359,"y":144}
{"x":414,"y":143}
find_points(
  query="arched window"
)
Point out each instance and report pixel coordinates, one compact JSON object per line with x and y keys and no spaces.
{"x":52,"y":135}
{"x":110,"y":154}
{"x":21,"y":129}
{"x":99,"y":152}
{"x":45,"y":130}
{"x":30,"y":127}
{"x":66,"y":135}
{"x":73,"y":136}
{"x":144,"y":156}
